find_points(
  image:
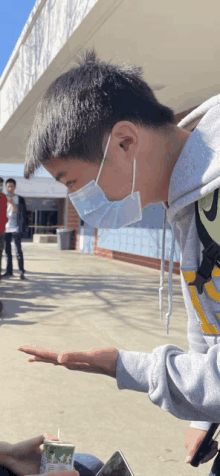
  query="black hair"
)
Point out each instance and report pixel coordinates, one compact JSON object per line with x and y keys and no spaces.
{"x":82,"y":105}
{"x":11,"y":180}
{"x":1,"y":180}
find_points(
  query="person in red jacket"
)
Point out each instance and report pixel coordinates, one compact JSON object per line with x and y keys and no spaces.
{"x":3,"y":219}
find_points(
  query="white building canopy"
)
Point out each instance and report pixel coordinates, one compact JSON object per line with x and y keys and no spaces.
{"x":176,"y":43}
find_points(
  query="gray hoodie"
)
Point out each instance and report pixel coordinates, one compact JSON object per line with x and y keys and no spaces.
{"x":187,"y":384}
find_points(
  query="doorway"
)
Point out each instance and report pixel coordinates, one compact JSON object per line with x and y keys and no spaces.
{"x":44,"y":218}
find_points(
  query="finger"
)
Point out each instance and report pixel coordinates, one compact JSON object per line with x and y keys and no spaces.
{"x":68,"y":365}
{"x":28,"y":445}
{"x":39,"y":351}
{"x":50,"y":437}
{"x":63,"y":357}
{"x":33,"y":441}
{"x":46,"y":361}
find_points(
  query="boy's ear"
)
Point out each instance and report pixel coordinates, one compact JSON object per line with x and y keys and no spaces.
{"x":126,"y":142}
{"x":125,"y":135}
{"x":124,"y":129}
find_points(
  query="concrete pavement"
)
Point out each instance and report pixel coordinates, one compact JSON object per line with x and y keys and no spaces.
{"x":78,"y":301}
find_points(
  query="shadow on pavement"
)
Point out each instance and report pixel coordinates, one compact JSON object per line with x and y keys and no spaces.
{"x":16,"y":322}
{"x":111,"y":294}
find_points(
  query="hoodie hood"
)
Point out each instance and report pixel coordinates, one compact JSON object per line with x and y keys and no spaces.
{"x":197,"y":171}
{"x":195,"y":175}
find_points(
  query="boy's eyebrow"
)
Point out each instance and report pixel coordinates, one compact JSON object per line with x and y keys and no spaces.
{"x":58,"y":177}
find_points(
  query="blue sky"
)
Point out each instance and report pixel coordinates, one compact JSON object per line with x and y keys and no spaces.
{"x":13,"y":16}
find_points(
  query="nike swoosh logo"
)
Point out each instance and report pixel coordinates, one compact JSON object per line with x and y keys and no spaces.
{"x":211,"y":214}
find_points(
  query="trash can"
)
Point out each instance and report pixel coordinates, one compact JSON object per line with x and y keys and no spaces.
{"x":63,"y":238}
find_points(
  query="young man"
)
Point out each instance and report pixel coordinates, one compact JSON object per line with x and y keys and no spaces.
{"x":100,"y":131}
{"x":16,"y":212}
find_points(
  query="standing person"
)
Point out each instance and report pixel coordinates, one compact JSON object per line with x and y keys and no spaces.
{"x":100,"y":130}
{"x":16,"y":212}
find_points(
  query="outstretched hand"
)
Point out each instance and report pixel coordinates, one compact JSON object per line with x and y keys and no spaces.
{"x":100,"y":360}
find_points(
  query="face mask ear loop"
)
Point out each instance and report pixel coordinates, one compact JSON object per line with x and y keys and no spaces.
{"x":103,"y":160}
{"x":134,"y":173}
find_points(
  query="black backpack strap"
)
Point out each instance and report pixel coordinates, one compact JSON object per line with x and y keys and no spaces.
{"x":211,"y":255}
{"x":204,"y":273}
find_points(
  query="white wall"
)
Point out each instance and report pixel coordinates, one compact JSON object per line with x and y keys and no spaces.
{"x":49,"y":26}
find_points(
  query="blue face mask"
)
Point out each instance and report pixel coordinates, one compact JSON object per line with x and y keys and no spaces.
{"x":1,"y":189}
{"x":95,"y":209}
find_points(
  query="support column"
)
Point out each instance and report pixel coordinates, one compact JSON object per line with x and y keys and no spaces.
{"x":35,"y":229}
{"x":66,"y":209}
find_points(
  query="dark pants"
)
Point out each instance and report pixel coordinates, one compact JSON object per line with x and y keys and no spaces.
{"x":85,"y":464}
{"x":17,"y":239}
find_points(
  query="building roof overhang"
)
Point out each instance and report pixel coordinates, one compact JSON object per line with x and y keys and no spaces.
{"x":176,"y":43}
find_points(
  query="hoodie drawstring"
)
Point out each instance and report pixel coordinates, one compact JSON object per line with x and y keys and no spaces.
{"x":170,"y":282}
{"x":162,"y":265}
{"x":172,"y":251}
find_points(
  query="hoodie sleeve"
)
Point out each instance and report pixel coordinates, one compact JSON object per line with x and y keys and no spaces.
{"x":183,"y":384}
{"x":196,"y":341}
{"x":197,"y":344}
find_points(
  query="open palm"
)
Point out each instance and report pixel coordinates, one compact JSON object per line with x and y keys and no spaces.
{"x":101,"y":360}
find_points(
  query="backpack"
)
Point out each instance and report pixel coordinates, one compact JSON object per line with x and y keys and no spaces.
{"x":208,"y":228}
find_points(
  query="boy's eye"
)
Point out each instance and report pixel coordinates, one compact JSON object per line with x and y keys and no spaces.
{"x":72,"y":182}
